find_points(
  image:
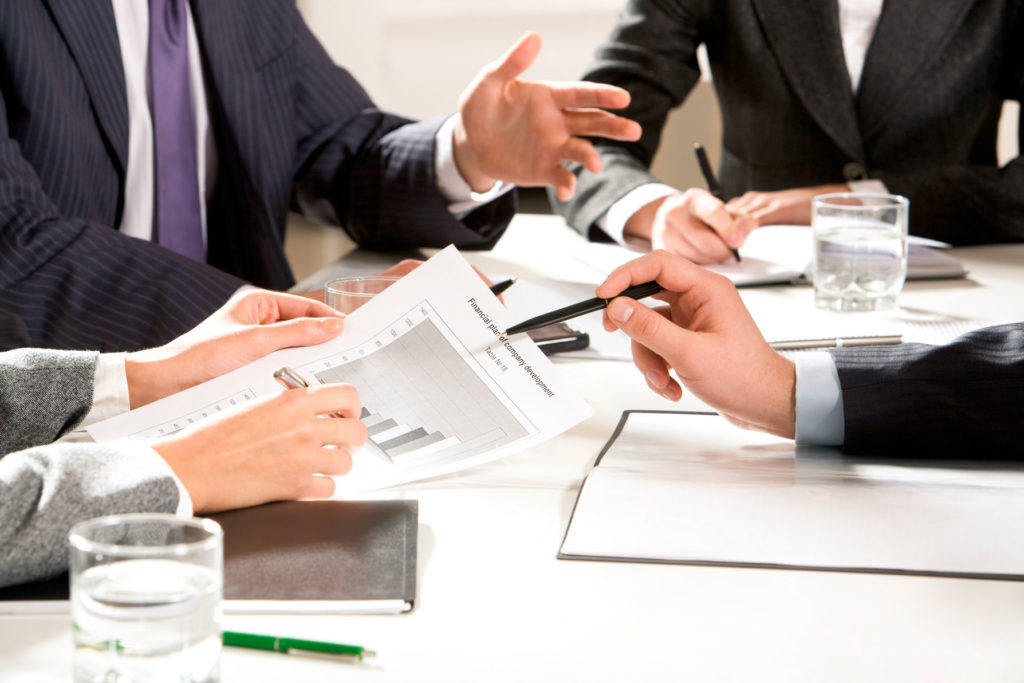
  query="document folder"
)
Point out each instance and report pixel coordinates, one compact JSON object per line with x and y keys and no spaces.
{"x":297,"y":557}
{"x":690,"y":488}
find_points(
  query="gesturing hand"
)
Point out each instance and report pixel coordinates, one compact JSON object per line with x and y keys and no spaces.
{"x":707,"y":337}
{"x":521,"y":131}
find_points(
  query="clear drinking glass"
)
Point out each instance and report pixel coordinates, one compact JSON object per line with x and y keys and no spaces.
{"x":346,"y":294}
{"x":860,"y":250}
{"x":146,"y":598}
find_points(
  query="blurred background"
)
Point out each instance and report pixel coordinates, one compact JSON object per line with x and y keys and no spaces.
{"x":415,"y":57}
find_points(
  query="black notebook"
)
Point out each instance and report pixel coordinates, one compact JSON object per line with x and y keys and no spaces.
{"x":308,"y":556}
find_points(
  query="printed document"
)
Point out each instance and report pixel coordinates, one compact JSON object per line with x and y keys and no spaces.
{"x":442,"y":387}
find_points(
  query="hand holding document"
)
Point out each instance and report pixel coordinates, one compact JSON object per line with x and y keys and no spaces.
{"x":442,"y":387}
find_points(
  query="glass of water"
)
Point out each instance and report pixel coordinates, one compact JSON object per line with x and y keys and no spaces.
{"x":146,"y":598}
{"x":860,"y":250}
{"x":346,"y":294}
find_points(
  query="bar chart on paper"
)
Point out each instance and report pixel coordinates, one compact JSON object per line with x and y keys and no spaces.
{"x":439,"y":390}
{"x":421,"y":397}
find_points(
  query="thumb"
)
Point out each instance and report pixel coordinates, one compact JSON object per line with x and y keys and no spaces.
{"x":646,"y":327}
{"x":519,"y":58}
{"x":297,"y":332}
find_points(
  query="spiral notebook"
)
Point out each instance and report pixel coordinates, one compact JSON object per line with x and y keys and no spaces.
{"x":296,"y":557}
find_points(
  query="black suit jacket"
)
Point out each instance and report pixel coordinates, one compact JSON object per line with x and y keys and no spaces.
{"x":291,"y":129}
{"x":964,"y":399}
{"x":923,"y":120}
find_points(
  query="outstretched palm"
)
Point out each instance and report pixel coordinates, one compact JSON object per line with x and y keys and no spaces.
{"x":521,"y":131}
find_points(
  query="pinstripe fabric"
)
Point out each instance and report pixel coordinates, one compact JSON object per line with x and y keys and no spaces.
{"x":964,"y":400}
{"x":292,"y":129}
{"x":923,"y":120}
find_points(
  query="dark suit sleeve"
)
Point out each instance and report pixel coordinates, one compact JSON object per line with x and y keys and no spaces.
{"x":652,"y":53}
{"x":915,"y":400}
{"x":973,"y":203}
{"x":965,"y":204}
{"x":373,"y":172}
{"x":70,"y":283}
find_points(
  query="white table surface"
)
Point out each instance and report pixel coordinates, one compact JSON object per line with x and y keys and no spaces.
{"x":493,"y":603}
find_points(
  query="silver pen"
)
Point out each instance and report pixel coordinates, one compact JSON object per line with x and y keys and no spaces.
{"x":293,"y":380}
{"x":836,"y":342}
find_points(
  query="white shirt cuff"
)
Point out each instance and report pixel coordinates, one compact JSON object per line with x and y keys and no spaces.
{"x":110,"y":389}
{"x":109,"y":395}
{"x":819,"y":400}
{"x":456,"y":191}
{"x":870,"y":186}
{"x":613,"y":221}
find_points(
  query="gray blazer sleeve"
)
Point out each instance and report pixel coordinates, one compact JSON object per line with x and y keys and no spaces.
{"x":652,"y":53}
{"x":43,"y":394}
{"x":914,"y":400}
{"x":45,"y":488}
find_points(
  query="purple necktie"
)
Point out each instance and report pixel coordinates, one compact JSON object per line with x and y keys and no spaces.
{"x":178,"y":223}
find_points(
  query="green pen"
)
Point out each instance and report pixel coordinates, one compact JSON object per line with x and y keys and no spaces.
{"x":260,"y":642}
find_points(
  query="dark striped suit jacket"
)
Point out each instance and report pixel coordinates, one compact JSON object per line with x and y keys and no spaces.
{"x":291,"y":129}
{"x":963,"y":400}
{"x":924,"y":119}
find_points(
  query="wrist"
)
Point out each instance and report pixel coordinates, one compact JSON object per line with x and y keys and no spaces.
{"x":148,"y":378}
{"x":781,"y":401}
{"x":175,"y":452}
{"x":641,"y":223}
{"x":467,"y":161}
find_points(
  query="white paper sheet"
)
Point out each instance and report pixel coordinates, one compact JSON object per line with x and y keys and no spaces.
{"x":778,"y":254}
{"x":687,"y":488}
{"x":441,"y":390}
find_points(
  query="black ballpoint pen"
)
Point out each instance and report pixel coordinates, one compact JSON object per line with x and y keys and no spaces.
{"x":712,"y":183}
{"x":583,"y":307}
{"x":499,"y":287}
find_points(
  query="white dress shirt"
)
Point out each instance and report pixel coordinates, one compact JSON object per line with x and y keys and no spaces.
{"x":132,"y":17}
{"x":110,"y":389}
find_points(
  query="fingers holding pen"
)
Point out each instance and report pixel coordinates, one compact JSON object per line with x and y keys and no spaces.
{"x":695,"y":225}
{"x":274,"y":448}
{"x":306,"y":410}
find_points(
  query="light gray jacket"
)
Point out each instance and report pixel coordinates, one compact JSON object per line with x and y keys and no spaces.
{"x":47,"y":487}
